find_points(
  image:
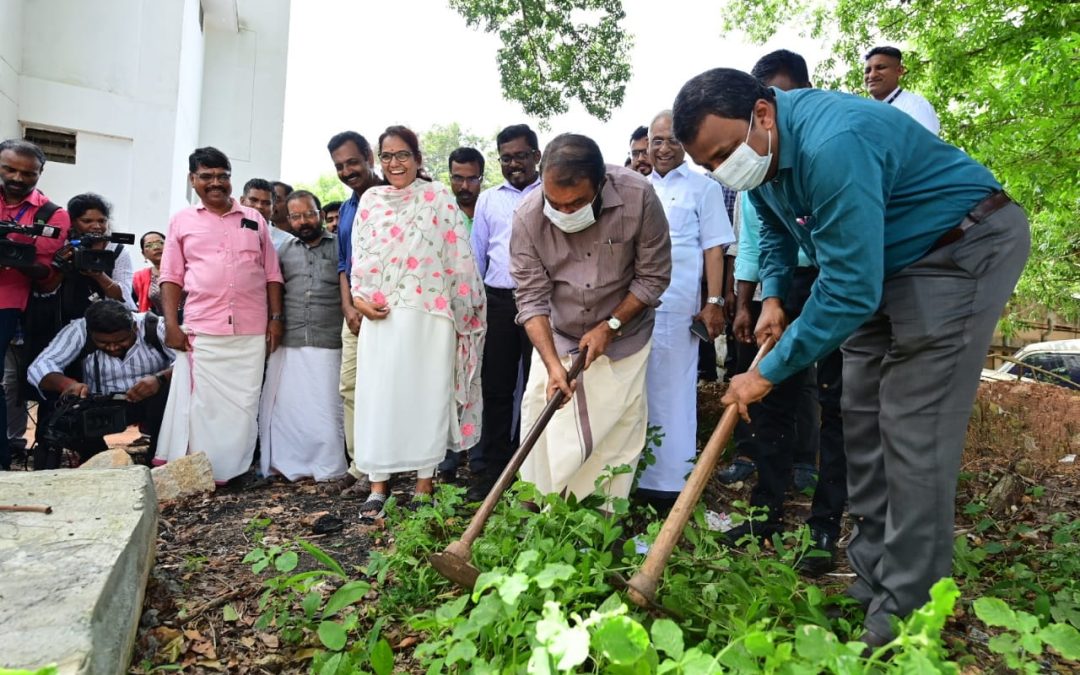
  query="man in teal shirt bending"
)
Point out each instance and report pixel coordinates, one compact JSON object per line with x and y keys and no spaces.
{"x":918,"y":250}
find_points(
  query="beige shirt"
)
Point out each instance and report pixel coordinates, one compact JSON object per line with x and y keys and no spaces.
{"x":578,"y":279}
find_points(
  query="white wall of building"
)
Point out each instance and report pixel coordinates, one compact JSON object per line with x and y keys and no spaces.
{"x":142,"y":84}
{"x":243,"y":107}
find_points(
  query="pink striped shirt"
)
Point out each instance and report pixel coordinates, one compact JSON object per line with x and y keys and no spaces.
{"x":224,"y":266}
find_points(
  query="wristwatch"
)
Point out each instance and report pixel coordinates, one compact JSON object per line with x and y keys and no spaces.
{"x":614,"y":323}
{"x":277,"y":317}
{"x":715,"y":300}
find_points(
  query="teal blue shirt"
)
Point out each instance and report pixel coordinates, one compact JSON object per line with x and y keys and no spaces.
{"x":865,"y":190}
{"x":747,"y":261}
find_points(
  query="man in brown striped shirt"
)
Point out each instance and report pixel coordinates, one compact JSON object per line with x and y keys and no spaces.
{"x":591,"y":255}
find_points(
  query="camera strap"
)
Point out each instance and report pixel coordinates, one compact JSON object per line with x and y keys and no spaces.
{"x":45,"y":213}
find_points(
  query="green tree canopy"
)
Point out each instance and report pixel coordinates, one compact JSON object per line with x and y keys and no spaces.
{"x":327,"y":188}
{"x":439,"y":141}
{"x":555,"y":51}
{"x":1002,"y":76}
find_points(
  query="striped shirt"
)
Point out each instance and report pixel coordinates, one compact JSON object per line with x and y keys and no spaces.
{"x":117,"y":374}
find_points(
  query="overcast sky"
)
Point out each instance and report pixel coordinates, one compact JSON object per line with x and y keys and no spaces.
{"x":421,"y":66}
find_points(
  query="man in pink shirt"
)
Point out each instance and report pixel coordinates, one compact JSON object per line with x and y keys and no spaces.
{"x":221,"y":255}
{"x":21,"y":163}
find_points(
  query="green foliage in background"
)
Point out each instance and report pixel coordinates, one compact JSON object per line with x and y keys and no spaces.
{"x":1002,"y":77}
{"x":327,"y":187}
{"x":556,"y":51}
{"x":439,"y":141}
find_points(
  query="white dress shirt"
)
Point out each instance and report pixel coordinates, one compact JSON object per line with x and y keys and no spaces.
{"x":694,"y":206}
{"x":916,"y":106}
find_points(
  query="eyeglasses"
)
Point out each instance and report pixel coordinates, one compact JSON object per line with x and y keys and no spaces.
{"x":517,"y":156}
{"x":401,"y":156}
{"x":222,"y":176}
{"x":638,"y":154}
{"x":660,"y":140}
{"x":298,"y":217}
{"x":153,"y":245}
{"x":471,"y":180}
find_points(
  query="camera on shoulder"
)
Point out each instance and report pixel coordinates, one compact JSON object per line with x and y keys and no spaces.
{"x":85,"y":258}
{"x":22,"y":254}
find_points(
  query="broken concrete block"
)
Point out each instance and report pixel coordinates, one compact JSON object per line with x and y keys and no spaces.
{"x":73,"y":580}
{"x":189,"y":475}
{"x":110,"y":459}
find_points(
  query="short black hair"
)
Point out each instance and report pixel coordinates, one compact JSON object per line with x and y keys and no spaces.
{"x":288,"y":188}
{"x":465,"y":155}
{"x":782,"y":62}
{"x":300,"y":194}
{"x":108,"y":316}
{"x":724,"y":92}
{"x":78,"y":205}
{"x":639,"y":133}
{"x":573,"y":157}
{"x":887,"y":51}
{"x":258,"y":184}
{"x":340,"y":139}
{"x":210,"y":157}
{"x":142,"y":239}
{"x":25,"y":148}
{"x":518,"y":131}
{"x":331,"y":206}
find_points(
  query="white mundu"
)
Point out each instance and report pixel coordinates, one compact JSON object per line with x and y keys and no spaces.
{"x":694,"y":206}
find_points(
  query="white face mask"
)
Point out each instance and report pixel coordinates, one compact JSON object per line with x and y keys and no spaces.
{"x":571,"y":222}
{"x":744,"y":169}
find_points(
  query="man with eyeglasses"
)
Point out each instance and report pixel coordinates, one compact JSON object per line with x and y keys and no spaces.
{"x":220,"y":253}
{"x":300,"y":427}
{"x":591,"y":255}
{"x":699,"y":229}
{"x":108,"y":351}
{"x":507,"y":350}
{"x":466,"y":180}
{"x":639,"y":151}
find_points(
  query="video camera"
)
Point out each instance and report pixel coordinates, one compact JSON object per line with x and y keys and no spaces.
{"x":85,"y":258}
{"x":92,"y":417}
{"x":22,"y":254}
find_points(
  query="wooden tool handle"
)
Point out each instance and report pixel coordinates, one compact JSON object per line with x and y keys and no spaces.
{"x":647,"y":578}
{"x":28,"y":508}
{"x":506,"y":478}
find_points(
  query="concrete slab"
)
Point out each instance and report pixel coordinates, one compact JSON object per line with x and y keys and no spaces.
{"x":72,"y":582}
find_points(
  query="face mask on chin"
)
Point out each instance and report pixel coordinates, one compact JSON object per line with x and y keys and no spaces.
{"x":744,"y":169}
{"x":576,"y":221}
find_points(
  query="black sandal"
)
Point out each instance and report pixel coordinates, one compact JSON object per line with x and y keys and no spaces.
{"x":375,"y":506}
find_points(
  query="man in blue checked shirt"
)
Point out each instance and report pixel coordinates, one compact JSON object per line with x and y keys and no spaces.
{"x":918,"y":249}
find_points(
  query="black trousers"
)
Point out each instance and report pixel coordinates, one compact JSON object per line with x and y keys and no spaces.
{"x":506,"y":350}
{"x":147,"y":412}
{"x":786,"y":427}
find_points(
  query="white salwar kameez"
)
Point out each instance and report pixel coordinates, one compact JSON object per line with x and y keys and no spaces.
{"x":601,"y":428}
{"x":214,"y":403}
{"x":672,"y":387}
{"x":405,"y":411}
{"x":301,"y":430}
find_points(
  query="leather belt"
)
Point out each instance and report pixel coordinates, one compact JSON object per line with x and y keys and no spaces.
{"x":983,"y":210}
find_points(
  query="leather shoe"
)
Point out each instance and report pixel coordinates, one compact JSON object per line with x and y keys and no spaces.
{"x":820,"y":558}
{"x":739,"y":470}
{"x":760,"y":532}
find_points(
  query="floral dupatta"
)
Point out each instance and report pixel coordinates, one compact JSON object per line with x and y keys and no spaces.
{"x":411,"y":249}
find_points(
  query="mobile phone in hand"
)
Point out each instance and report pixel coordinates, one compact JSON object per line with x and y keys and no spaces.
{"x":698,"y":328}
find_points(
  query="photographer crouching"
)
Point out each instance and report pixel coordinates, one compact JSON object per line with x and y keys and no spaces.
{"x":100,"y":374}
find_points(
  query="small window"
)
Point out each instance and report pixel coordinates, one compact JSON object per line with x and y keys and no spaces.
{"x":58,"y":146}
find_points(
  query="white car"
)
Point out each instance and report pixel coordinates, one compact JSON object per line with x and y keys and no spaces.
{"x":1061,"y":357}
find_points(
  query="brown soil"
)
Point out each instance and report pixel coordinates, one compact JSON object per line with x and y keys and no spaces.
{"x":203,"y":540}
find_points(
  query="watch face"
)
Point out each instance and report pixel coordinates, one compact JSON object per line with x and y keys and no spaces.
{"x":614,"y":323}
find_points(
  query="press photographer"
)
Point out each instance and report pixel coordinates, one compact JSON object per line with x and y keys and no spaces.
{"x":21,"y":164}
{"x":110,"y":352}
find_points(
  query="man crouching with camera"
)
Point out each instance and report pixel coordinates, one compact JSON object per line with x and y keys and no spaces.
{"x":98,"y":375}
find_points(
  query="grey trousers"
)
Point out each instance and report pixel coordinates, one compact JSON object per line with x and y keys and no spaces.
{"x":910,"y":377}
